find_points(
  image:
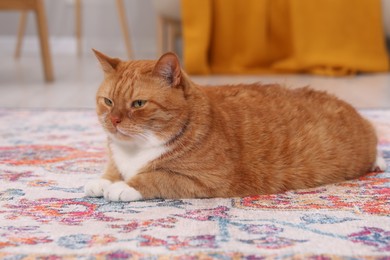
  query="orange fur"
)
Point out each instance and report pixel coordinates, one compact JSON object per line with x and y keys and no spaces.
{"x":227,"y":141}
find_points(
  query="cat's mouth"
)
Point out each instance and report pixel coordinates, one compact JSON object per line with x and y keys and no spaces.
{"x":117,"y":132}
{"x":121,"y":132}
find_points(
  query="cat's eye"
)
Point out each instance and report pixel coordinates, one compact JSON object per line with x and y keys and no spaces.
{"x":108,"y":102}
{"x":138,"y":103}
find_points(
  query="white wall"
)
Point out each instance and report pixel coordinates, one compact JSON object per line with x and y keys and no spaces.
{"x":101,"y":28}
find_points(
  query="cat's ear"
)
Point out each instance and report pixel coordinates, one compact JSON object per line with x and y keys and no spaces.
{"x":108,"y":64}
{"x":168,"y":67}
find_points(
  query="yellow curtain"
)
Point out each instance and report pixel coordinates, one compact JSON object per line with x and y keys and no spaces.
{"x":328,"y":37}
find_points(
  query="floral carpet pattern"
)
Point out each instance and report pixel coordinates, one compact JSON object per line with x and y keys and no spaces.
{"x":46,"y":156}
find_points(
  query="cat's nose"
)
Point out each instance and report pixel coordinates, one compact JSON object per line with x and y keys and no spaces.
{"x":115,"y":120}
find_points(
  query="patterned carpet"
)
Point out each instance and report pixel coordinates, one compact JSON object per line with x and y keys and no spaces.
{"x":47,"y":155}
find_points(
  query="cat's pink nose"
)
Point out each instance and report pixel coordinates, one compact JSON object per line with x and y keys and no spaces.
{"x":115,"y":120}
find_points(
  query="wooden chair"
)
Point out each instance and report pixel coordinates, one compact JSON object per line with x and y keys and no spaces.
{"x":78,"y":16}
{"x":168,"y":30}
{"x":168,"y":24}
{"x":37,"y":6}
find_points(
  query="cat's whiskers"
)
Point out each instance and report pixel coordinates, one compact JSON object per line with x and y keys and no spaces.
{"x":102,"y":119}
{"x":122,"y":132}
{"x":142,"y":137}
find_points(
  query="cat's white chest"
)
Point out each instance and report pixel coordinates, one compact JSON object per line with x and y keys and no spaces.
{"x":130,"y":158}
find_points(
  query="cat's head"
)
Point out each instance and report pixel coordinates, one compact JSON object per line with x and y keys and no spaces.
{"x":142,"y":100}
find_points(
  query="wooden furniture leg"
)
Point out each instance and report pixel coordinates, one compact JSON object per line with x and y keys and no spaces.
{"x":43,"y":39}
{"x":21,"y":31}
{"x":125,"y":29}
{"x":78,"y":28}
{"x":167,"y":32}
{"x":38,"y":7}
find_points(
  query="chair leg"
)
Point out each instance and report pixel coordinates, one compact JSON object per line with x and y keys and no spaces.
{"x":78,"y":28}
{"x":43,"y":39}
{"x":125,"y":29}
{"x":21,"y":30}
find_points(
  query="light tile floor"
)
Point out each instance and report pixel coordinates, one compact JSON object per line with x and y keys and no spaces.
{"x":77,"y":79}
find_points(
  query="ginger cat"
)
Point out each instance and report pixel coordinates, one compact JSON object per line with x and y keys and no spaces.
{"x":171,"y":138}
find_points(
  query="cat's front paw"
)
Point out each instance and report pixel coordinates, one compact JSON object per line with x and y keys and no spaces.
{"x":120,"y":191}
{"x":96,"y":188}
{"x":379,"y":165}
